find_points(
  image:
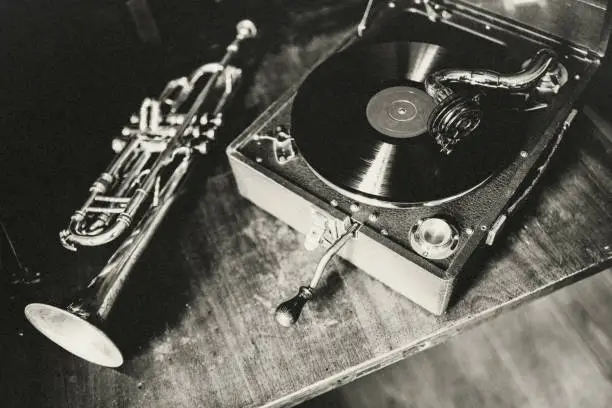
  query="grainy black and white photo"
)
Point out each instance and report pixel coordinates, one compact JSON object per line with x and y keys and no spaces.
{"x":312,"y":204}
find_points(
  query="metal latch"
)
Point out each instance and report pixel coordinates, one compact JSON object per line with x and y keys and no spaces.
{"x":282,"y":144}
{"x":499,"y":222}
{"x":325,"y":230}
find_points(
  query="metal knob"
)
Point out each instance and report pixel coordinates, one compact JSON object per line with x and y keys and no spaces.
{"x":288,"y":312}
{"x":434,"y":238}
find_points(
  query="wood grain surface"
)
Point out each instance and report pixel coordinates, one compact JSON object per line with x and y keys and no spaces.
{"x":554,"y":352}
{"x":196,"y":323}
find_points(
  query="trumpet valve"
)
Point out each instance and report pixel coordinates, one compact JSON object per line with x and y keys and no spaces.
{"x":210,"y":134}
{"x":217,"y":120}
{"x":201,"y":147}
{"x":118,"y":144}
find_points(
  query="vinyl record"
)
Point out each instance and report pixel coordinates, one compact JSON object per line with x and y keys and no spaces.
{"x":360,"y":122}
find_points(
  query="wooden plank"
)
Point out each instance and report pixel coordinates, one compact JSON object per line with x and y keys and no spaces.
{"x":553,"y":352}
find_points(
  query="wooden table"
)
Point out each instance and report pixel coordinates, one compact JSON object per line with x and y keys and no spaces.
{"x":196,"y":319}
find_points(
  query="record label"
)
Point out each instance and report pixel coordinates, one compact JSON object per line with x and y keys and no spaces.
{"x":400,"y":111}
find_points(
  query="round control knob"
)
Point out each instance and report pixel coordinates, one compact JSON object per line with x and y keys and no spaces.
{"x":434,"y":238}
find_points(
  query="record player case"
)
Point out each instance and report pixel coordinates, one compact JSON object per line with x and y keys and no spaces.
{"x":270,"y":172}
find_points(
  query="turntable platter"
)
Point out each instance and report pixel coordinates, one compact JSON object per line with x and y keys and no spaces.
{"x":360,"y":122}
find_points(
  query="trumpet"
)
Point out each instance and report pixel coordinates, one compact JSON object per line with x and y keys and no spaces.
{"x":154,"y":154}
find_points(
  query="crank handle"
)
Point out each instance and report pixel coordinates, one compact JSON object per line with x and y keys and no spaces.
{"x":288,"y":312}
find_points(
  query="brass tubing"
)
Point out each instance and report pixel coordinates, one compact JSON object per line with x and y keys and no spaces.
{"x":76,"y":233}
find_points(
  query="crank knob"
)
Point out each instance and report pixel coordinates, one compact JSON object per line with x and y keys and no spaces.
{"x":288,"y":312}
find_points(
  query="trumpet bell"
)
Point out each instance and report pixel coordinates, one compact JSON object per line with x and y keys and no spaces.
{"x":74,"y":334}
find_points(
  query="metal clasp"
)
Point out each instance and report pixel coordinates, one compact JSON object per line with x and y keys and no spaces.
{"x":325,"y":230}
{"x":282,"y":145}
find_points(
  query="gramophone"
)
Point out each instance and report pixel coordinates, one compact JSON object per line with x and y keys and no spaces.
{"x":410,"y":145}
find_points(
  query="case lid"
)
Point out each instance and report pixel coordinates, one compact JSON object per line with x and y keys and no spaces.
{"x":584,"y":23}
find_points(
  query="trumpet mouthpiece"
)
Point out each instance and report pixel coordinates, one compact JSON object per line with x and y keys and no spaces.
{"x":74,"y":334}
{"x":246,"y":29}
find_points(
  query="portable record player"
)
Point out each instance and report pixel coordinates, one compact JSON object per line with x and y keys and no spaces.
{"x":409,"y":146}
